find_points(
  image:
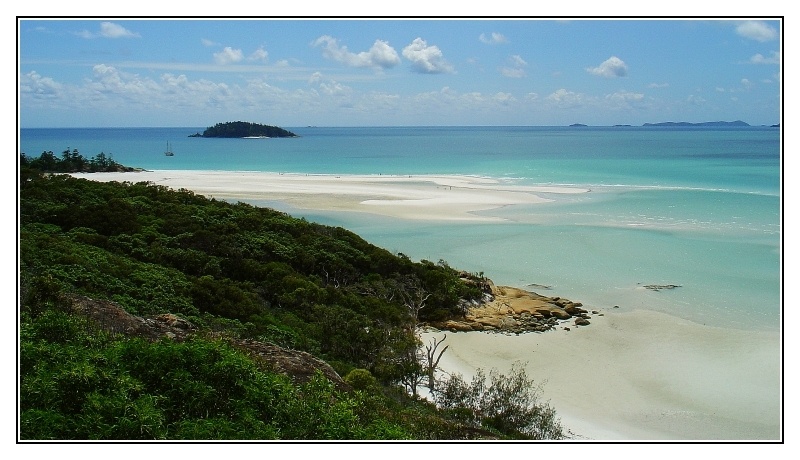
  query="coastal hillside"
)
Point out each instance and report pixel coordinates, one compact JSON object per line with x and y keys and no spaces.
{"x":242,"y":129}
{"x":151,"y":313}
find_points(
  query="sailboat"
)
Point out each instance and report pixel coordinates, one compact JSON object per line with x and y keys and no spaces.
{"x":169,"y":152}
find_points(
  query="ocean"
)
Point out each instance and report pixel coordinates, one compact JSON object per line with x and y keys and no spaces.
{"x":698,"y":208}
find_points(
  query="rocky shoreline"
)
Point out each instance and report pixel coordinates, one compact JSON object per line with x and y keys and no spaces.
{"x":512,"y":310}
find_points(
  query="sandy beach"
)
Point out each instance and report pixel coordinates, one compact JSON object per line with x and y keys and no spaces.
{"x":423,"y":197}
{"x":640,"y":375}
{"x":631,"y":375}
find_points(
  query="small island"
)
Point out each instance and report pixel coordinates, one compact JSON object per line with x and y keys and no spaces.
{"x":737,"y":123}
{"x":244,"y":130}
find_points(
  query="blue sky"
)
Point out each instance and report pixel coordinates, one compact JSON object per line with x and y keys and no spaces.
{"x":122,"y":72}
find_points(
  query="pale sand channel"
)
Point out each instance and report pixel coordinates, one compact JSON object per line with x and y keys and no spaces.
{"x":630,"y":375}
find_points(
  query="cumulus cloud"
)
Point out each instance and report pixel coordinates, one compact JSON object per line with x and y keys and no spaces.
{"x":493,"y":39}
{"x":228,"y":56}
{"x":757,"y":30}
{"x":380,"y":56}
{"x":504,"y":98}
{"x":515,"y":67}
{"x":41,"y":87}
{"x":625,"y":96}
{"x":566,"y":99}
{"x":260,"y":55}
{"x":109,"y":30}
{"x":207,"y":42}
{"x":610,"y":68}
{"x":773,"y":58}
{"x":511,"y":72}
{"x":315,"y":78}
{"x":426,"y":59}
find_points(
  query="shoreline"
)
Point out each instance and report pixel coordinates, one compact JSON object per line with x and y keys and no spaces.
{"x":417,"y":197}
{"x":631,"y":375}
{"x":639,"y":376}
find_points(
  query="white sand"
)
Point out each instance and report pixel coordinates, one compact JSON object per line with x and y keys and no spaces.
{"x":427,"y":197}
{"x":635,"y":375}
{"x":640,"y":375}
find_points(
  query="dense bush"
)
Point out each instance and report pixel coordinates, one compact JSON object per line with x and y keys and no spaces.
{"x":234,"y":270}
{"x":509,"y":404}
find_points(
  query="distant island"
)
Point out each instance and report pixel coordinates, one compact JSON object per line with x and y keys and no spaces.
{"x":736,"y":123}
{"x":243,"y":129}
{"x":679,"y":124}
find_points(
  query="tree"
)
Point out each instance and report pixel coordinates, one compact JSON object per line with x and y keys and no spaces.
{"x":432,"y":361}
{"x":414,"y":297}
{"x":509,"y":404}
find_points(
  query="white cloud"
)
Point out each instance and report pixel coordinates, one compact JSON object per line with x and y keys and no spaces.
{"x":504,"y":98}
{"x":259,"y":55}
{"x":512,"y":72}
{"x":517,"y":61}
{"x":566,"y":99}
{"x":334,"y":88}
{"x":693,"y":99}
{"x":315,"y":78}
{"x":758,"y":58}
{"x":109,"y":30}
{"x":426,"y":59}
{"x":228,"y":56}
{"x":658,"y":85}
{"x":38,"y":86}
{"x":757,"y":30}
{"x":207,"y":42}
{"x":623,"y":99}
{"x":516,"y":67}
{"x":493,"y":39}
{"x":610,"y":68}
{"x":379,"y":56}
{"x":625,"y":96}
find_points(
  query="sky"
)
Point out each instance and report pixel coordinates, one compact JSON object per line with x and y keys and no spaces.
{"x":388,"y":71}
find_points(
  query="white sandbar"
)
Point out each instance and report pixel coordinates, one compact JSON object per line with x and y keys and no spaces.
{"x":427,"y":197}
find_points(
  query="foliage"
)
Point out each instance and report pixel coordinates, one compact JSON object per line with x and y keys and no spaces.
{"x":71,"y":161}
{"x":233,"y":270}
{"x":245,"y":129}
{"x":509,"y":404}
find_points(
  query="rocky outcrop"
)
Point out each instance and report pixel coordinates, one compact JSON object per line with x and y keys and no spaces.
{"x":512,"y":310}
{"x":111,"y":317}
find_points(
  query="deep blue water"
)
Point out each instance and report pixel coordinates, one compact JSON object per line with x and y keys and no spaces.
{"x":698,"y":207}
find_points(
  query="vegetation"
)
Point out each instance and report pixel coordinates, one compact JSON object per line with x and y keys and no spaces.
{"x":72,"y":161}
{"x":233,"y":270}
{"x":244,"y":129}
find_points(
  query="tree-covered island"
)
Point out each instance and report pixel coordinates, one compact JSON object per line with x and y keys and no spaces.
{"x":243,"y":129}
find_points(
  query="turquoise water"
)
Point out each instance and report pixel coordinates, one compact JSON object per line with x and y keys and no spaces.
{"x":695,"y":207}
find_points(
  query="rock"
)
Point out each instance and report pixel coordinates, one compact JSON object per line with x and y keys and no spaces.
{"x":581,"y":321}
{"x":110,"y":316}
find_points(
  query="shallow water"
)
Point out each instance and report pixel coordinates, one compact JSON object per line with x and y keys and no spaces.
{"x":697,"y":208}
